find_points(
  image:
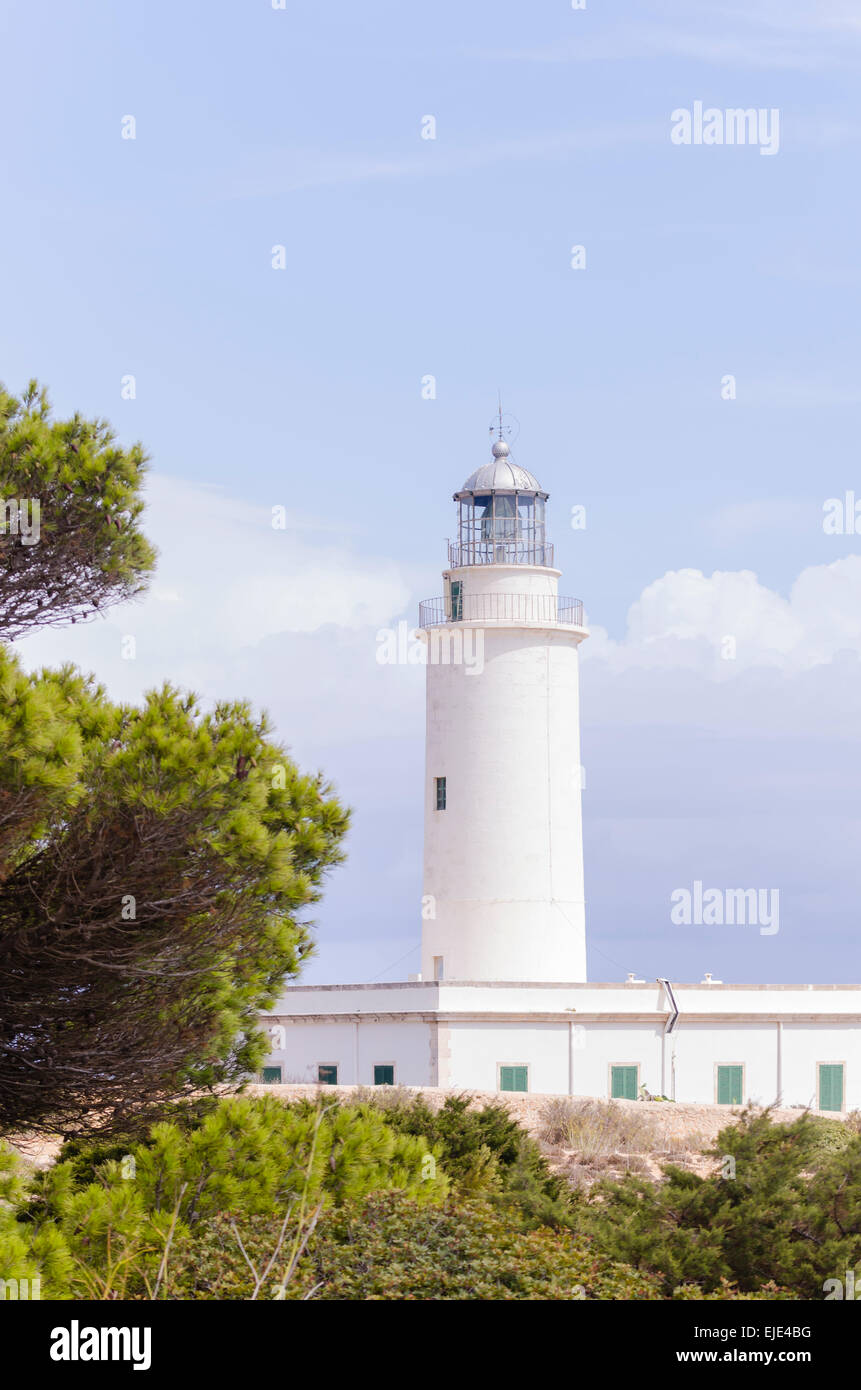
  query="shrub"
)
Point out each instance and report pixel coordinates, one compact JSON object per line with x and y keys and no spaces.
{"x":250,"y":1156}
{"x":485,"y":1152}
{"x":790,"y":1214}
{"x":391,"y":1247}
{"x":254,"y":1154}
{"x":26,"y":1251}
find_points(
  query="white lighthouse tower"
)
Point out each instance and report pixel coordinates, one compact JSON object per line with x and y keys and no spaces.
{"x":502,"y":1003}
{"x":503,"y":850}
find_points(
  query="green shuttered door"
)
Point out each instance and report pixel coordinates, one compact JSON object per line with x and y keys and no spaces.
{"x":513,"y":1078}
{"x":623,"y":1083}
{"x":729,"y":1085}
{"x":831,"y":1086}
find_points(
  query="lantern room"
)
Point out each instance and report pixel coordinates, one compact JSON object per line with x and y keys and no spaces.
{"x":500,"y":516}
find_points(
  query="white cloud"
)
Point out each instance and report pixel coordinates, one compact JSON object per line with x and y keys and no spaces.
{"x":684,"y":619}
{"x":226,"y":581}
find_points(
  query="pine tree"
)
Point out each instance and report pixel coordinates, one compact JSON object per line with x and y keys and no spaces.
{"x":70,"y":544}
{"x":156,"y":861}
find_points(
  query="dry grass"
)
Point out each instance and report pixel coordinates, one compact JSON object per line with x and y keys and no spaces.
{"x":590,"y":1139}
{"x":596,"y":1128}
{"x":382,"y":1097}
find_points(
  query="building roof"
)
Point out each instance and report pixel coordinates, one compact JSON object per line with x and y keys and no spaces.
{"x":501,"y":475}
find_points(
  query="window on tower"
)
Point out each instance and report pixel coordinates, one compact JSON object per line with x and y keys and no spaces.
{"x":440,"y":793}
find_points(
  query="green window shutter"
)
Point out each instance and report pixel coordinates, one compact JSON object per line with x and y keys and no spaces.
{"x":271,"y":1076}
{"x":623,"y":1083}
{"x":456,"y":600}
{"x":831,"y":1086}
{"x":514,"y":1078}
{"x":327,"y":1076}
{"x":384,"y":1076}
{"x":729,"y":1085}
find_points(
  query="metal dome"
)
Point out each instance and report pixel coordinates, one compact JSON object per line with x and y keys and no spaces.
{"x":501,"y":475}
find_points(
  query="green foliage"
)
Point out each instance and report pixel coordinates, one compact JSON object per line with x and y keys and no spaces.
{"x":485,"y":1152}
{"x":790,"y":1216}
{"x":251,"y":1198}
{"x":106,"y":1220}
{"x":154,"y":859}
{"x":255,"y":1155}
{"x":50,"y":722}
{"x":27,"y":1251}
{"x":725,"y":1291}
{"x":90,"y":552}
{"x":390,"y":1246}
{"x":212,"y":834}
{"x":85,"y":1154}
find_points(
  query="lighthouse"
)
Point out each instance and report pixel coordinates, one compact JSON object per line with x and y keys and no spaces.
{"x":503,"y":896}
{"x":502,"y":1002}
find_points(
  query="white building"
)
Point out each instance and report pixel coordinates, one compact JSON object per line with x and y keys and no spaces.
{"x":502,"y":1002}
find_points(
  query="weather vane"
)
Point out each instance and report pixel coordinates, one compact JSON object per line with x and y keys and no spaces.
{"x":506,"y":426}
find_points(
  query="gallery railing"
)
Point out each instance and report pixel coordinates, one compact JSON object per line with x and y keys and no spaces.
{"x":501,"y":608}
{"x":500,"y":552}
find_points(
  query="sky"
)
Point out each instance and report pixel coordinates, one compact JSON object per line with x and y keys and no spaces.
{"x":296,"y":299}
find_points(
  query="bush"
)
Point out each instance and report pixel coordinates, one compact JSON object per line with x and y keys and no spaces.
{"x":484,"y":1152}
{"x":787,"y":1213}
{"x":111,"y":1218}
{"x":391,"y":1247}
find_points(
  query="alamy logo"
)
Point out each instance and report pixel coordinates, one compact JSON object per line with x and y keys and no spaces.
{"x":735,"y":126}
{"x":441,"y":647}
{"x":76,"y":1343}
{"x":717,"y":907}
{"x":842,"y":515}
{"x":836,"y":1288}
{"x":14,"y":1289}
{"x":20,"y":516}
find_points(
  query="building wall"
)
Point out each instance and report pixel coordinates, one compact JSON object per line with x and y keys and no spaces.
{"x":697,"y":1049}
{"x":458,"y":1034}
{"x":465,"y":1051}
{"x":300,"y":1048}
{"x":804,"y":1045}
{"x":598,"y":1046}
{"x":477,"y":1050}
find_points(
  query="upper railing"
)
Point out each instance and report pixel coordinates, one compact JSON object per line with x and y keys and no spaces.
{"x":500,"y":552}
{"x":501,"y":608}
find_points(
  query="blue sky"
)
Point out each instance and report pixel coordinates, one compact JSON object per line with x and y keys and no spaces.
{"x":255,"y":387}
